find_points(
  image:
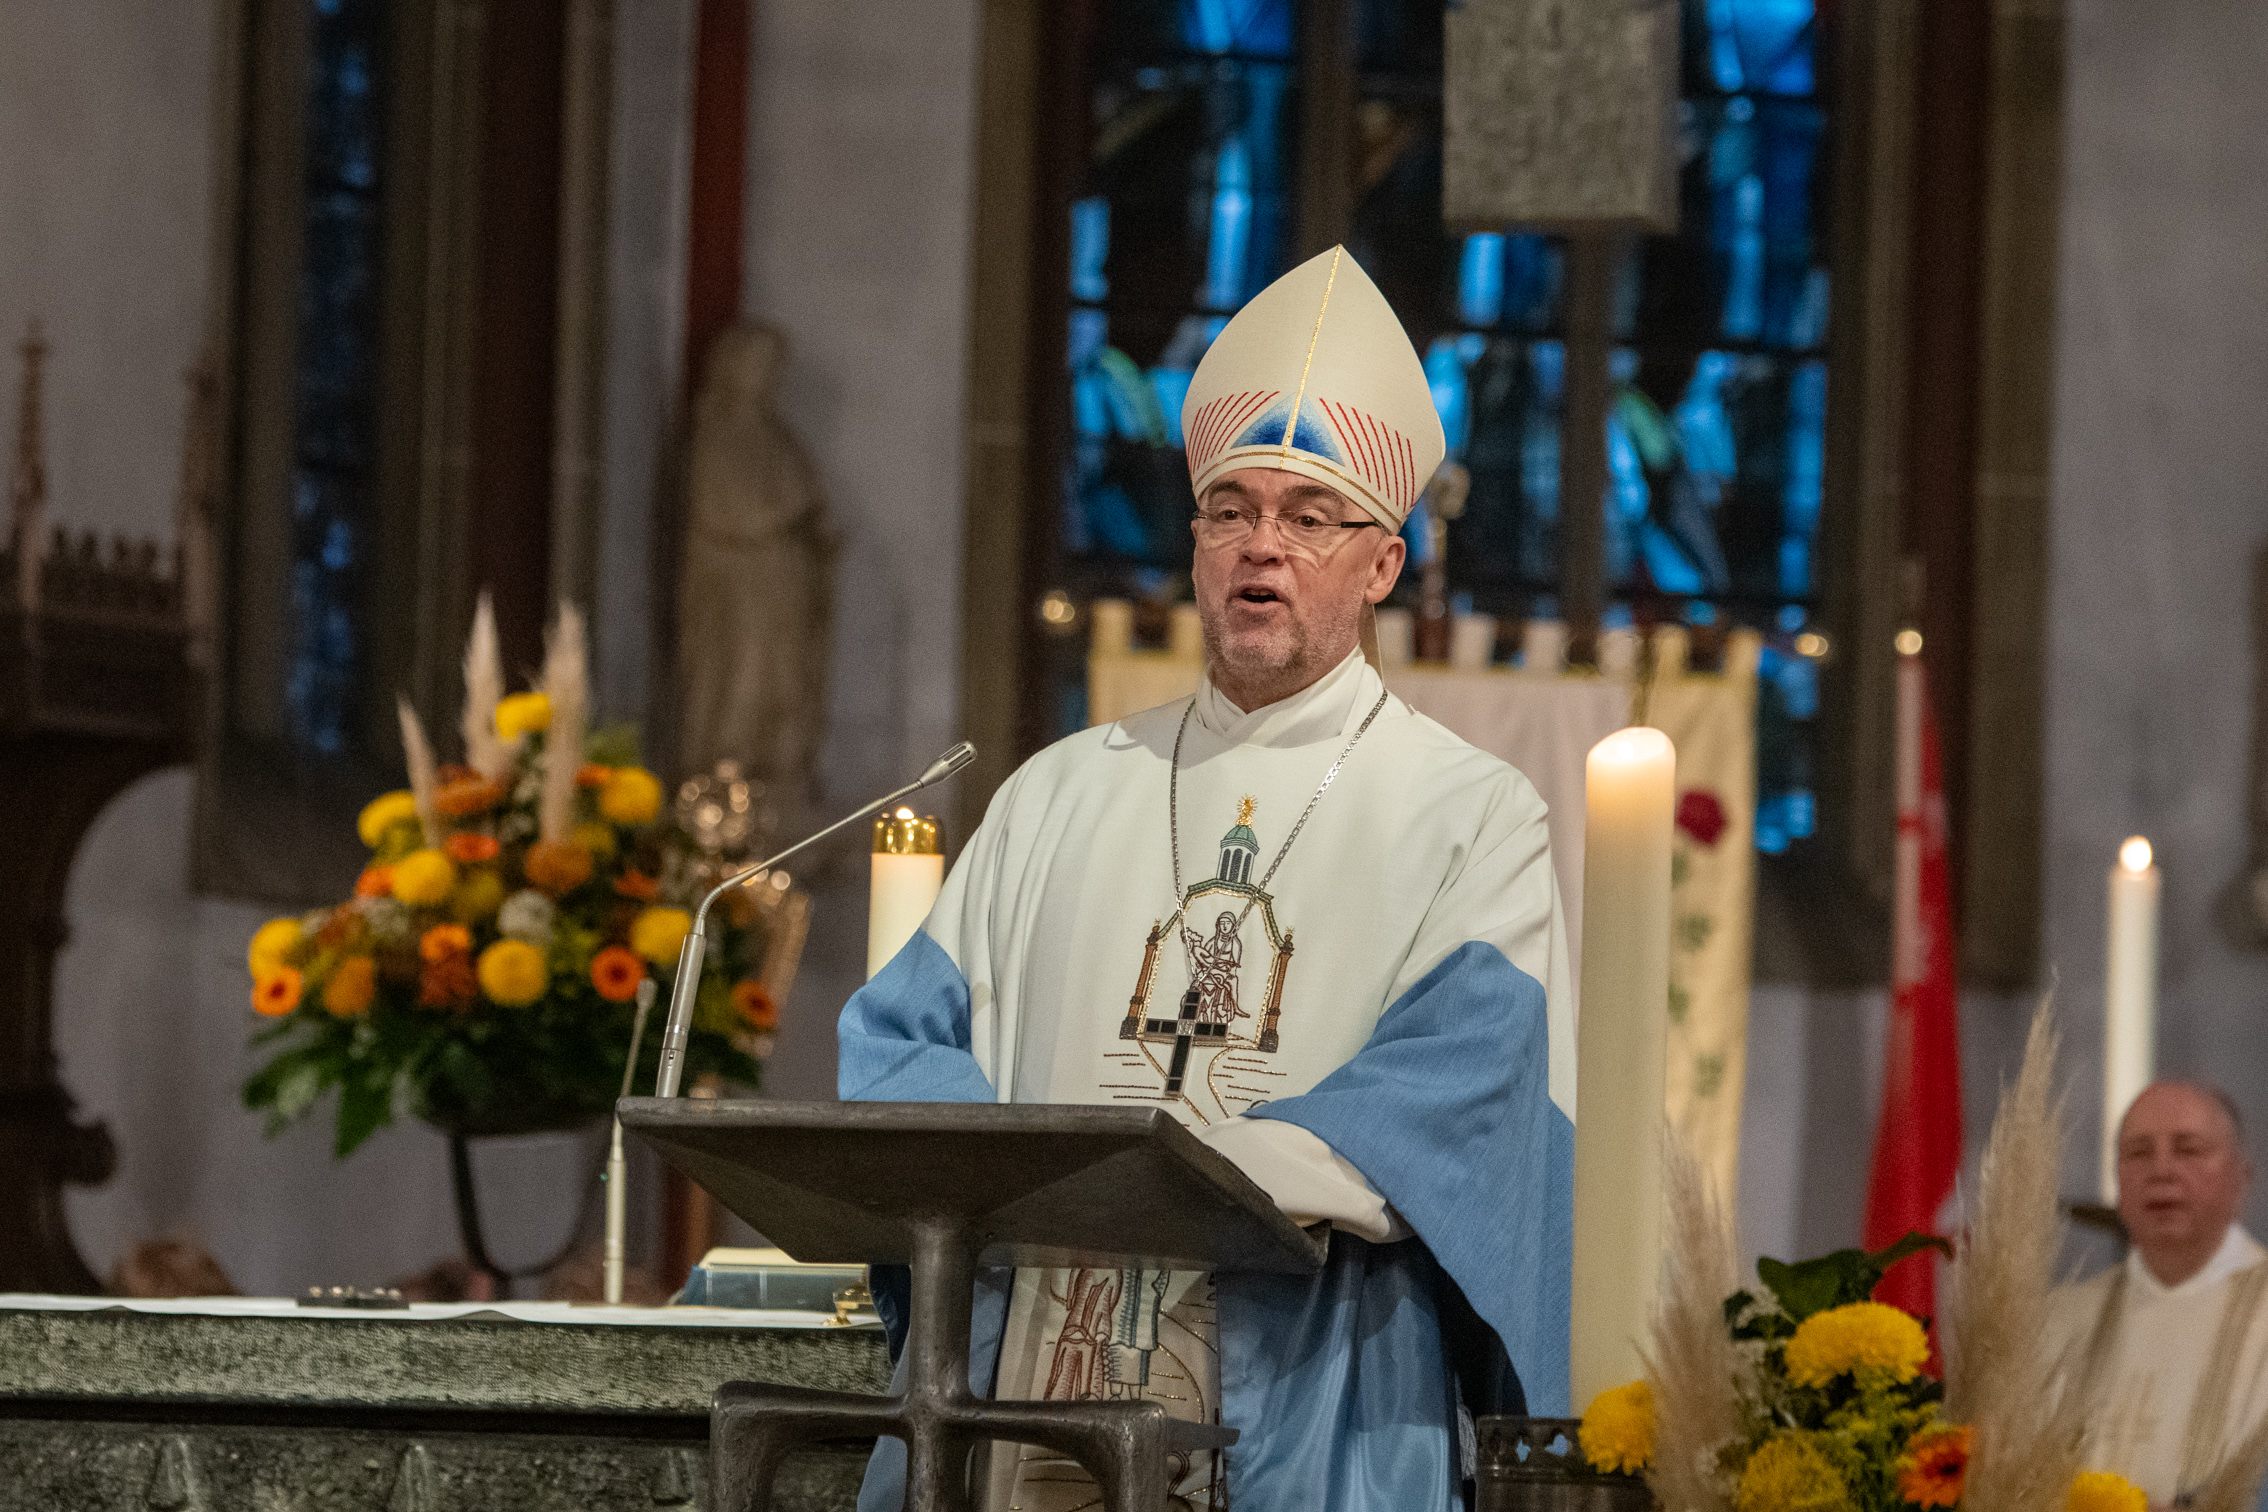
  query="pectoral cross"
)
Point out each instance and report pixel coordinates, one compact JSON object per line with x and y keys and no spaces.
{"x":1182,"y":1032}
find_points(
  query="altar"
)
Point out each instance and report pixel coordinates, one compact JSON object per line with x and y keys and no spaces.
{"x":258,"y":1403}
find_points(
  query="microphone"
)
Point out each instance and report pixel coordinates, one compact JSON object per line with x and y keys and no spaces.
{"x":690,"y":955}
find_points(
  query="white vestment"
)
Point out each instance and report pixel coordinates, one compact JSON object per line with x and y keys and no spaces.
{"x":2176,"y":1376}
{"x":1090,"y":980}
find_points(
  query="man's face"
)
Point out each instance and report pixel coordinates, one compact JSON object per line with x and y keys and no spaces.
{"x":2181,"y":1175}
{"x":1286,"y":598}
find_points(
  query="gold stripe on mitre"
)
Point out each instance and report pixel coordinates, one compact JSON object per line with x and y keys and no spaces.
{"x":1316,"y":376}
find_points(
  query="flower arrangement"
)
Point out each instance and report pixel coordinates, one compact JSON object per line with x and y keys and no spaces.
{"x":482,"y":974}
{"x":1802,"y":1394}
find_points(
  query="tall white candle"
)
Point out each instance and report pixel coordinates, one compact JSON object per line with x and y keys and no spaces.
{"x":1621,"y":1041}
{"x":909,"y":868}
{"x":2130,"y":995}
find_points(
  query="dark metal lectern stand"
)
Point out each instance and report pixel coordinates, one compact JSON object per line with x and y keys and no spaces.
{"x":947,"y":1187}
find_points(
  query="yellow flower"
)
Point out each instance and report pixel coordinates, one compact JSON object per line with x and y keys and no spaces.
{"x":477,"y":897}
{"x":1789,"y":1474}
{"x":522,"y":714}
{"x":423,"y":878}
{"x":271,"y":943}
{"x":353,"y":983}
{"x":1618,"y":1428}
{"x":594,"y":837}
{"x":513,"y":973}
{"x":631,"y":796}
{"x":382,"y":813}
{"x":2101,"y":1491}
{"x":1864,"y":1338}
{"x":656,"y":933}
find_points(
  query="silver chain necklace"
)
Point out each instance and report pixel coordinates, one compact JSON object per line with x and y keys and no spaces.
{"x":1173,"y":806}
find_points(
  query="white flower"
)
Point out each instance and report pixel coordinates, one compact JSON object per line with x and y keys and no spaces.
{"x":527,"y":915}
{"x":389,"y":920}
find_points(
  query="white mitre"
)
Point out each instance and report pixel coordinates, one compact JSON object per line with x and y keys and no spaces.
{"x":1317,"y":377}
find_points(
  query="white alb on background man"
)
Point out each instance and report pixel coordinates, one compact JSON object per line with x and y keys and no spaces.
{"x":2171,"y":1344}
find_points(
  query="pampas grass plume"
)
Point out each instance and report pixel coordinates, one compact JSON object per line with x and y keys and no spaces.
{"x":2003,"y":1373}
{"x":486,"y":752}
{"x":417,"y":754}
{"x":1693,"y":1367}
{"x":566,"y":682}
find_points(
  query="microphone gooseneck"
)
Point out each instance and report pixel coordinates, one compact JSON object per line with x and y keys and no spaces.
{"x":691,"y":954}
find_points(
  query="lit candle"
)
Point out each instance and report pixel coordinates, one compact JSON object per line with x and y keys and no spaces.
{"x":909,"y":868}
{"x":1630,"y":787}
{"x":2130,"y":996}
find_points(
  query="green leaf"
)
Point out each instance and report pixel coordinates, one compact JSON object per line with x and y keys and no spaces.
{"x":366,"y":1105}
{"x":1837,"y":1279}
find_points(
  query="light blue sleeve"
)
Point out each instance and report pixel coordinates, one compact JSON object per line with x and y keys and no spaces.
{"x":904,"y":1037}
{"x":1447,"y":1112}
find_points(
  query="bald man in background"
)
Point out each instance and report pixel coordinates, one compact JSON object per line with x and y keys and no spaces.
{"x":2172,"y":1342}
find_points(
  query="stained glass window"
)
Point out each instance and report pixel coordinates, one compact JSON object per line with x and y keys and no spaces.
{"x":335,"y":375}
{"x":1717,"y":418}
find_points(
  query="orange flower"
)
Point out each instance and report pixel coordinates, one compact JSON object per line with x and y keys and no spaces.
{"x":468,"y":796}
{"x":755,"y":1005}
{"x":1935,"y":1464}
{"x":591,"y":774}
{"x":375,"y":882}
{"x":636,"y":884}
{"x":616,"y":973}
{"x":469,"y":846}
{"x":558,"y":868}
{"x":352,"y":986}
{"x":275,"y":992}
{"x":449,"y":982}
{"x":443,"y":941}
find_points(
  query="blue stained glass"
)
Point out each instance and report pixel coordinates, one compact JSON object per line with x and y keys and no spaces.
{"x":1533,"y":271}
{"x":1229,"y":240}
{"x":1539,"y":430}
{"x":1243,"y":26}
{"x":1764,"y":46}
{"x":1171,"y":386}
{"x":1090,"y":248}
{"x":335,"y":377}
{"x":1480,"y":279}
{"x":1445,"y":374}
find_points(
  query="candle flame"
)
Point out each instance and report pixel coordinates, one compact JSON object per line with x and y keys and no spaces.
{"x":2134,"y":855}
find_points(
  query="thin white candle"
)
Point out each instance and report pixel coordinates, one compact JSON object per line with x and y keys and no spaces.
{"x":1621,"y":1052}
{"x":2130,"y":995}
{"x":909,"y":868}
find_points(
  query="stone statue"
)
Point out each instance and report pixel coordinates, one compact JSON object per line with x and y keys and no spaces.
{"x":756,"y":586}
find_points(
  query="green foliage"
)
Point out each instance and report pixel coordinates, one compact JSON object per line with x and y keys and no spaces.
{"x":1860,"y":1421}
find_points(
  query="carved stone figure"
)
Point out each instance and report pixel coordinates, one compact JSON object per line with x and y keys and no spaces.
{"x":756,"y":586}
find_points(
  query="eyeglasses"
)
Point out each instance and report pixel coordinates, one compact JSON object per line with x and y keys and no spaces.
{"x":1303,"y":532}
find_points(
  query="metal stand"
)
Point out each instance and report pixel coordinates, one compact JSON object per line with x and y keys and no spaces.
{"x":943,"y":1185}
{"x":1532,"y":1464}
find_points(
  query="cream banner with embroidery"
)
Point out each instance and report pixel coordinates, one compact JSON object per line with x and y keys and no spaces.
{"x":1544,"y":724}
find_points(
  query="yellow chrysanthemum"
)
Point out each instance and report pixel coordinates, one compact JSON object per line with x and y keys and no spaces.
{"x":424,"y":878}
{"x":1858,"y":1338}
{"x":2101,"y":1491}
{"x":477,"y":897}
{"x":657,"y":932}
{"x":596,"y":838}
{"x":272,"y":943}
{"x":382,"y":813}
{"x":631,"y":796}
{"x":513,"y":973}
{"x":1790,"y":1474}
{"x":522,"y":714}
{"x":1618,"y":1428}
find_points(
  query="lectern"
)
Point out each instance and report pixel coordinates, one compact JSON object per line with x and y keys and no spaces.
{"x":946,"y":1187}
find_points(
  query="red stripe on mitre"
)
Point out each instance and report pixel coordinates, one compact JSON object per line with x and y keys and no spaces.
{"x":1356,"y":438}
{"x":1233,"y":412}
